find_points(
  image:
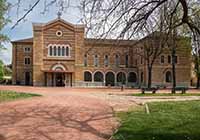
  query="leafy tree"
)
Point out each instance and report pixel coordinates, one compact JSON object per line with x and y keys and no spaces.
{"x":1,"y":70}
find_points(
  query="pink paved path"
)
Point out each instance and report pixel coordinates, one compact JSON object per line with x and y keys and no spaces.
{"x":67,"y":113}
{"x":58,"y":115}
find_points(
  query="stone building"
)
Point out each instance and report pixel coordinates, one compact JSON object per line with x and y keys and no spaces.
{"x":60,"y":55}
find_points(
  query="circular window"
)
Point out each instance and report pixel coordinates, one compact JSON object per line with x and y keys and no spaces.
{"x":59,"y":33}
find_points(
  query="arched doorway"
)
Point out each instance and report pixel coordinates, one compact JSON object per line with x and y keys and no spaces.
{"x":110,"y":79}
{"x":168,"y":77}
{"x":121,"y":78}
{"x":59,"y":76}
{"x":98,"y":77}
{"x":87,"y":76}
{"x":132,"y":77}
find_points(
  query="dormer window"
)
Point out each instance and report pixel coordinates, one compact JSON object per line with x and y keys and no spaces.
{"x":56,"y":50}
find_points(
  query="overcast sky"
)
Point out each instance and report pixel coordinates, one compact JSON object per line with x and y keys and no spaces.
{"x":24,"y":29}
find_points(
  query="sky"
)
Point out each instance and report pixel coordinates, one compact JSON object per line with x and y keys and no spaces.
{"x":24,"y":29}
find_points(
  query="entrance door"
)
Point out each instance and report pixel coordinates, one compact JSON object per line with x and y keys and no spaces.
{"x":59,"y":79}
{"x":27,"y":78}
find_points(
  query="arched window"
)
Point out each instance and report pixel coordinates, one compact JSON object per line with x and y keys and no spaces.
{"x":55,"y":51}
{"x":96,"y":61}
{"x":110,"y":79}
{"x":117,"y":60}
{"x":85,"y":60}
{"x":50,"y":51}
{"x":67,"y":51}
{"x":87,"y":76}
{"x":63,"y":51}
{"x":132,"y":77}
{"x":98,"y":77}
{"x":168,"y":77}
{"x":121,"y":77}
{"x":59,"y":51}
{"x":162,"y":59}
{"x":106,"y":60}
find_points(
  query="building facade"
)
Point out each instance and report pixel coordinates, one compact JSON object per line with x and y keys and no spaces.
{"x":60,"y":55}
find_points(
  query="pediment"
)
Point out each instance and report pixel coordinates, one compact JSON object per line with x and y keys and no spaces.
{"x":59,"y":22}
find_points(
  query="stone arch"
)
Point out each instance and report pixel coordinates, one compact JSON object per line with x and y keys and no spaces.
{"x":110,"y":78}
{"x":121,"y":77}
{"x":58,"y":67}
{"x":87,"y":76}
{"x":132,"y":77}
{"x":98,"y":76}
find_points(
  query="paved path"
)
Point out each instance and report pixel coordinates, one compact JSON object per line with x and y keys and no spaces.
{"x":68,"y":113}
{"x":55,"y":117}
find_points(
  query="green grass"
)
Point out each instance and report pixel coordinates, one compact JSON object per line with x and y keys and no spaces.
{"x":165,"y":94}
{"x":166,"y":121}
{"x":10,"y":95}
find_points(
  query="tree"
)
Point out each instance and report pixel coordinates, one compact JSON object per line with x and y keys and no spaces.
{"x":151,"y":47}
{"x":1,"y":70}
{"x":196,"y":45}
{"x":3,"y":21}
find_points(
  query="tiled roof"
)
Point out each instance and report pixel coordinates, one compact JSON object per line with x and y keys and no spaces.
{"x":27,"y":40}
{"x":93,"y":41}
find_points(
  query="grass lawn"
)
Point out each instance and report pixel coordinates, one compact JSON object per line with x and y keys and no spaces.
{"x":166,"y":94}
{"x":166,"y":121}
{"x":10,"y":95}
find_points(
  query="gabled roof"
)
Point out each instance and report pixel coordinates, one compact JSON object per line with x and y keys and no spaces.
{"x":27,"y":40}
{"x":53,"y":22}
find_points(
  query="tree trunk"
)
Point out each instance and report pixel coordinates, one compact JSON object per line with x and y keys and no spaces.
{"x":149,"y":76}
{"x":198,"y":82}
{"x":173,"y":70}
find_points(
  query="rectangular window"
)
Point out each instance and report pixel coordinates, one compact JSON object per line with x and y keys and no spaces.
{"x":106,"y":61}
{"x":96,"y":61}
{"x":169,"y":59}
{"x":117,"y":61}
{"x":85,"y":60}
{"x":27,"y":60}
{"x":126,"y":61}
{"x":162,"y":59}
{"x":27,"y":49}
